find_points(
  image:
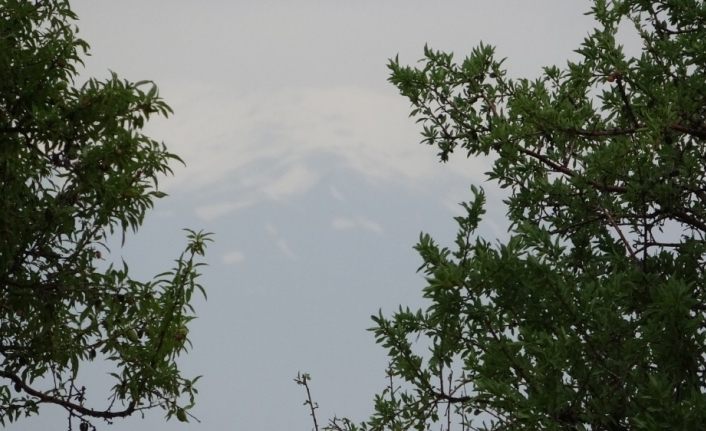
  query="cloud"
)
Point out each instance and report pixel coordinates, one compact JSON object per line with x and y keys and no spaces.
{"x":345,"y":223}
{"x":275,"y":181}
{"x":273,"y":144}
{"x":262,"y":187}
{"x":233,"y":257}
{"x":214,"y":211}
{"x":271,"y":230}
{"x":296,"y":180}
{"x":279,"y":242}
{"x":336,"y":194}
{"x":284,"y":247}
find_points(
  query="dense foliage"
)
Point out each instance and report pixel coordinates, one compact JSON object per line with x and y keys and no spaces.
{"x":75,"y":170}
{"x":591,"y":316}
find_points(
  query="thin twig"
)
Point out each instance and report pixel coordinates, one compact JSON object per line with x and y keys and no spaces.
{"x":303,"y":380}
{"x":619,"y":231}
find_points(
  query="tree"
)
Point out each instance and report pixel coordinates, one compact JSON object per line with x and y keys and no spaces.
{"x":75,"y":171}
{"x":591,"y":315}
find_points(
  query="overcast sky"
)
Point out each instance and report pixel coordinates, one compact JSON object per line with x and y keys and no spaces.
{"x":302,"y":160}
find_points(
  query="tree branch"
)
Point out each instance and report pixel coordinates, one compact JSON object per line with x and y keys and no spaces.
{"x":68,"y":405}
{"x":698,"y":132}
{"x":568,"y":172}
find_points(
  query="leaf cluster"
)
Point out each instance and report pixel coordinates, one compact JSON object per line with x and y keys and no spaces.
{"x":75,"y":169}
{"x":591,"y":316}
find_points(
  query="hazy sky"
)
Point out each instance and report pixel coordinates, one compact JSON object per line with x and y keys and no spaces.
{"x":303,"y":161}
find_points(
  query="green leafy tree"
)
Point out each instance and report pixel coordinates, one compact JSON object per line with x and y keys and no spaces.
{"x":591,"y":315}
{"x":75,"y":170}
